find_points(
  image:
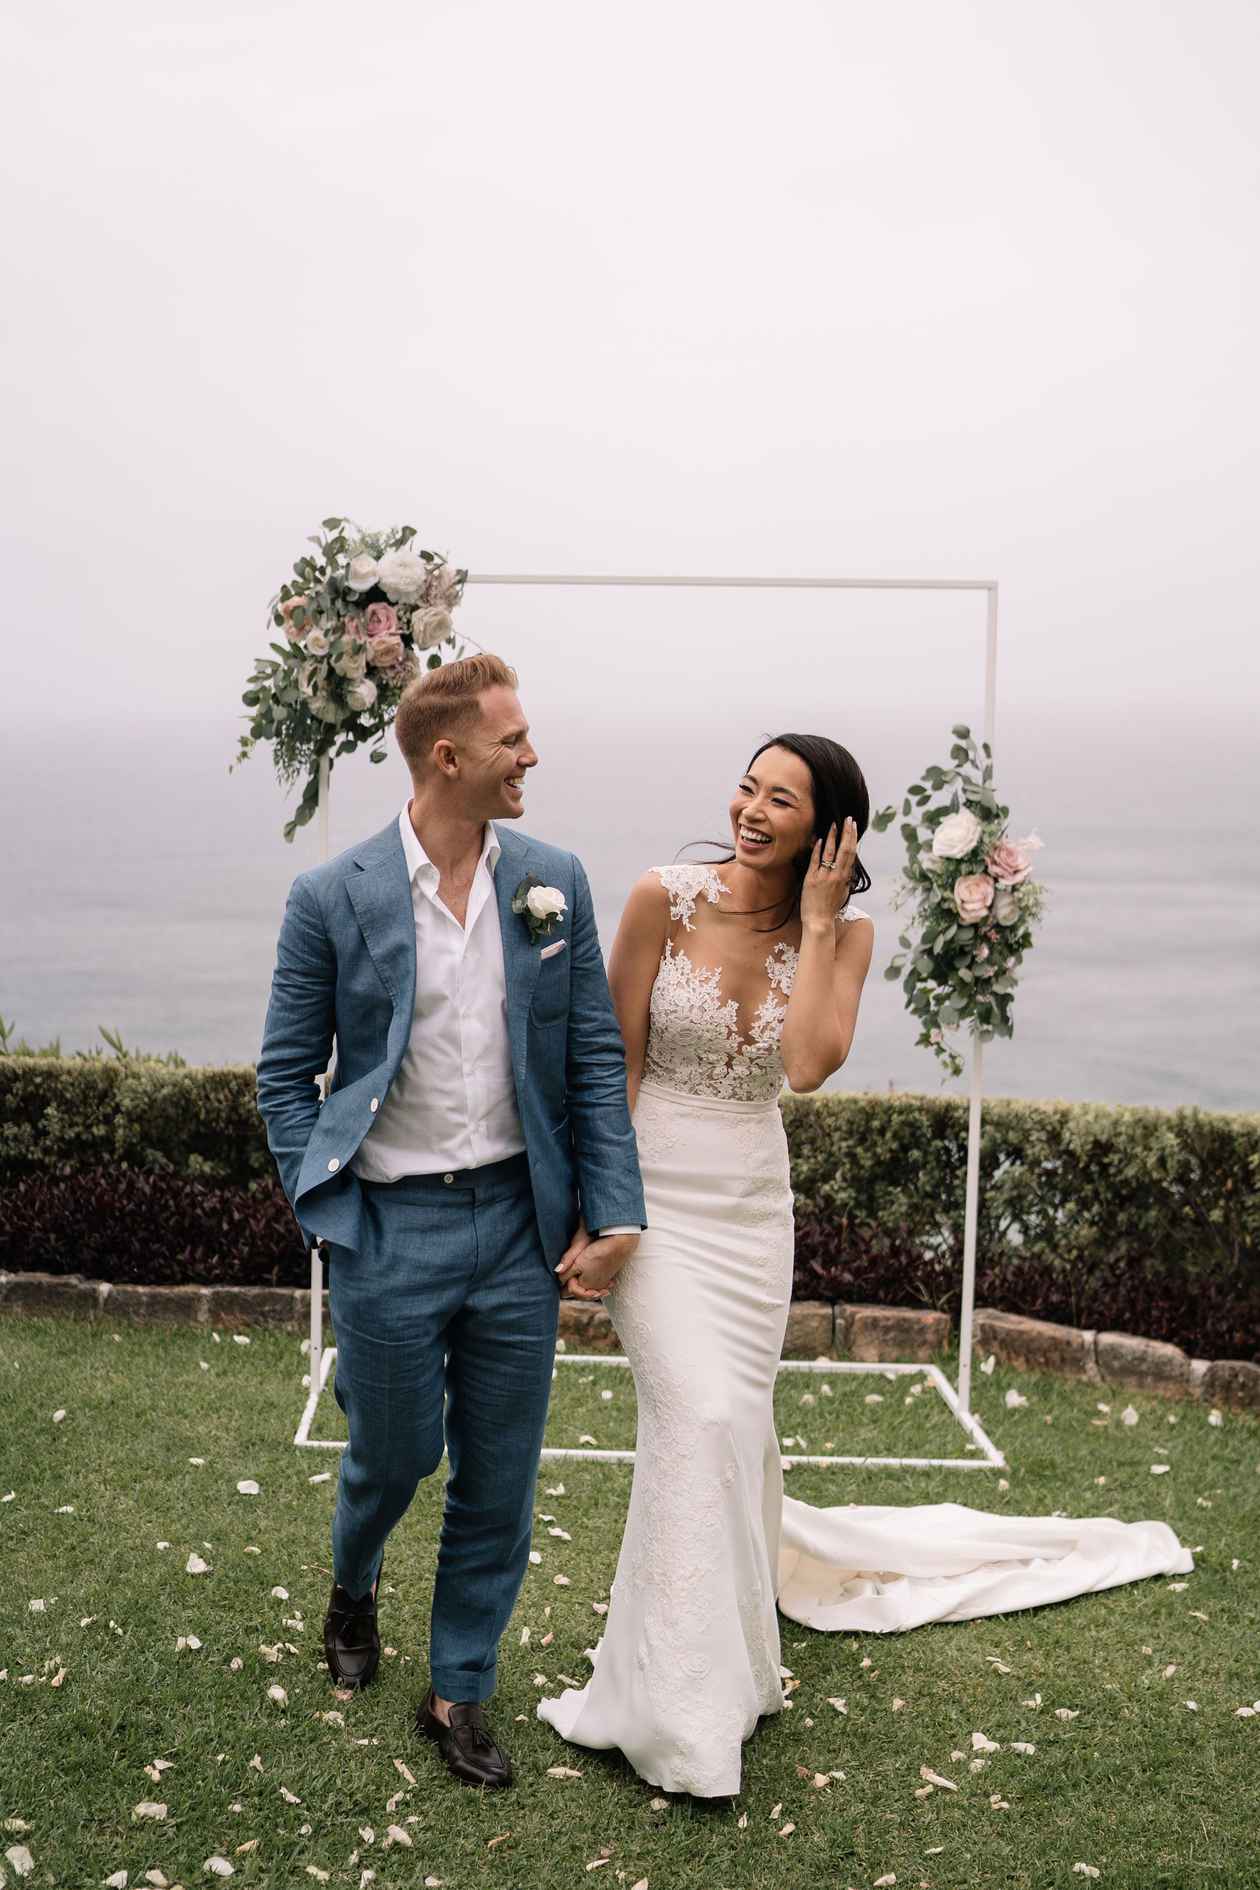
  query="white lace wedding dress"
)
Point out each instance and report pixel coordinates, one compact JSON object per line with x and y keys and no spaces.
{"x":689,"y":1658}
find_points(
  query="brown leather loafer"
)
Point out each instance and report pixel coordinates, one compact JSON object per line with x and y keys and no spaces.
{"x":467,"y":1744}
{"x":352,"y":1645}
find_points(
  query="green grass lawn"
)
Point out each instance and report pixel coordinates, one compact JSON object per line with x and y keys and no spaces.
{"x":159,"y":1426}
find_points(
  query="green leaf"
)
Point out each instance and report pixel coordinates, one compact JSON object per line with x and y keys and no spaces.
{"x":378,"y":754}
{"x":331,"y":524}
{"x":962,"y":731}
{"x":892,"y":973}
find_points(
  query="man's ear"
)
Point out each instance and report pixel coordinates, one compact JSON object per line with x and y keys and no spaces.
{"x":445,"y":757}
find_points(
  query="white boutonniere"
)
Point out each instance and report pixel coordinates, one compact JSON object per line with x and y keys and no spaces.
{"x":540,"y":906}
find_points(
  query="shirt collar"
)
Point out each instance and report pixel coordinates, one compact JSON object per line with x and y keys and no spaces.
{"x":419,"y":865}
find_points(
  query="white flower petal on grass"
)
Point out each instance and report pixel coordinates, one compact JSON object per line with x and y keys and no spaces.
{"x":1191,"y":1706}
{"x":279,"y":1696}
{"x":404,"y":1771}
{"x":20,"y":1860}
{"x":239,"y":1338}
{"x":313,"y":1870}
{"x":561,"y":1581}
{"x":562,"y":1771}
{"x":934,"y":1778}
{"x":890,"y":1878}
{"x":280,"y":1594}
{"x":1086,"y":1870}
{"x":1067,"y":1712}
{"x":841,"y":1706}
{"x":1216,"y":1418}
{"x":396,"y":1835}
{"x":562,"y":1535}
{"x":187,"y":1640}
{"x":586,"y":1438}
{"x":989,"y":1363}
{"x":535,"y":1557}
{"x":147,"y":1809}
{"x":37,"y":1606}
{"x":200,"y":1462}
{"x":999,"y":1665}
{"x":1022,"y":1745}
{"x":117,"y":1882}
{"x":1160,"y":1469}
{"x":321,"y":1476}
{"x":8,"y":1497}
{"x":1127,"y":1416}
{"x":195,"y":1566}
{"x":67,"y":1509}
{"x":290,"y":1798}
{"x":218,"y":1867}
{"x":248,"y":1487}
{"x":980,"y":1742}
{"x":1014,"y":1399}
{"x":873,"y":1397}
{"x":58,"y":1417}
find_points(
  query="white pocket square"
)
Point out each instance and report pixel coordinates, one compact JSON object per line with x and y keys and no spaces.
{"x":549,"y":951}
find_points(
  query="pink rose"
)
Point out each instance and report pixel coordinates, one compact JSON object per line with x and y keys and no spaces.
{"x":353,"y":627}
{"x":380,"y":620}
{"x":973,"y":895}
{"x":295,"y":632}
{"x":1010,"y":861}
{"x":385,"y":652}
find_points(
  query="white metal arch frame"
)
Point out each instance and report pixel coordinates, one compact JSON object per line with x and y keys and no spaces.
{"x":959,"y":1399}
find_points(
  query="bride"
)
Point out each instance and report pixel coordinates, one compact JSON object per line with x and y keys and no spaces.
{"x":727,"y":978}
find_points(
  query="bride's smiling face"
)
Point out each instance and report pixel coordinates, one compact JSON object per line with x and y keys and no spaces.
{"x":772,"y":813}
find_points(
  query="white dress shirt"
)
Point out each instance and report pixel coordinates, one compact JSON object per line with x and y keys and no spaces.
{"x":452,"y":1103}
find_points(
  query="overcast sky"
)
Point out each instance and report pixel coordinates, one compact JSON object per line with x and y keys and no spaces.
{"x":937,"y":289}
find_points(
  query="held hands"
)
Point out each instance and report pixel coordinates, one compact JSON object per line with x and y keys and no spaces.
{"x":589,"y":1266}
{"x":826,"y":884}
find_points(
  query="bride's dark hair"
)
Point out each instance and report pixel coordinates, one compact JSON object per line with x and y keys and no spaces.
{"x":839,"y":789}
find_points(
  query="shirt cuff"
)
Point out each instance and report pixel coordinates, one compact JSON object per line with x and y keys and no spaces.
{"x":604,"y":1232}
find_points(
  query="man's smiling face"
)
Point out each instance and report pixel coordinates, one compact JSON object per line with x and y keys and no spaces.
{"x":494,"y":755}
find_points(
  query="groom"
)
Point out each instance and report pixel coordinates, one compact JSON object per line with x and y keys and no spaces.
{"x":476,"y":1137}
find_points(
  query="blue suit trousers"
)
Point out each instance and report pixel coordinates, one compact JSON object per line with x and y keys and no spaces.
{"x":445,"y":1320}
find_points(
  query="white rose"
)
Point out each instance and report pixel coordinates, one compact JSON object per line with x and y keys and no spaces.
{"x":1005,"y":906}
{"x":352,"y":664}
{"x":545,"y":902}
{"x":361,"y":695}
{"x":430,"y":626}
{"x":325,"y":708}
{"x":315,"y":643}
{"x":362,"y":573}
{"x":402,"y":576}
{"x":956,"y":836}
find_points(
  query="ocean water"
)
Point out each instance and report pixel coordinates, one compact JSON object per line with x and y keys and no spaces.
{"x":141,"y":884}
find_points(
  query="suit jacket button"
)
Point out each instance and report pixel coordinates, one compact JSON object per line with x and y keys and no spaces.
{"x":448,"y":1177}
{"x":334,"y":1165}
{"x":375,"y":1104}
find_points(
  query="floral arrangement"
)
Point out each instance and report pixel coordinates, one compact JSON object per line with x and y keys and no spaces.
{"x":356,"y":616}
{"x":975,"y":902}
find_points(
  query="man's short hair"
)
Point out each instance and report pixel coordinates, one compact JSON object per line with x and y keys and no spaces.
{"x":446,"y":701}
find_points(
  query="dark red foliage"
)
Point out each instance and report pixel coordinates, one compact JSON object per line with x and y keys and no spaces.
{"x":151,"y":1227}
{"x":1213,"y":1313}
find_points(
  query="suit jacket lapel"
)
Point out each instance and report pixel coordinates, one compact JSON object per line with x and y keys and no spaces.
{"x":520,"y":953}
{"x":380,"y":893}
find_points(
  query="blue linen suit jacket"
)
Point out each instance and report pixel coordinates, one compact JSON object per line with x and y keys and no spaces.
{"x":346,"y":968}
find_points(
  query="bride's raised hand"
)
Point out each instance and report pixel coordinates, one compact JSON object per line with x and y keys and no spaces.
{"x":825,"y":888}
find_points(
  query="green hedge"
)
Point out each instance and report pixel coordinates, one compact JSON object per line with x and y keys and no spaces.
{"x":1075,"y":1184}
{"x":87,"y":1112}
{"x":1071,"y":1182}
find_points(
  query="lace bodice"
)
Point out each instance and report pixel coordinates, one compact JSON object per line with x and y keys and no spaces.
{"x":694,"y":1042}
